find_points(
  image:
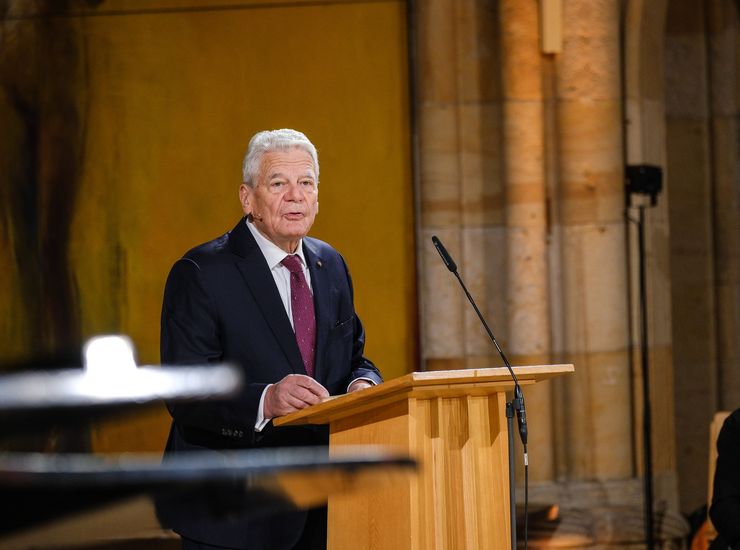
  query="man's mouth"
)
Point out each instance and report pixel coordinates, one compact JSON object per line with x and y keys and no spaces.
{"x":294,"y":215}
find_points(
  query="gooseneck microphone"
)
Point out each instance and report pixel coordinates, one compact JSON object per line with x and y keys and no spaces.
{"x":518,"y":402}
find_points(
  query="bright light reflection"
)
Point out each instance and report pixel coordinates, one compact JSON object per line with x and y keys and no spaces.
{"x":109,"y":355}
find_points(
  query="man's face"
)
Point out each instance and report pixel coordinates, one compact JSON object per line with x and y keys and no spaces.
{"x":285,"y":198}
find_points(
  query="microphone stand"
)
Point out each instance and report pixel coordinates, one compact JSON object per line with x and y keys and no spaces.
{"x":512,"y":481}
{"x":644,"y":180}
{"x":516,"y":405}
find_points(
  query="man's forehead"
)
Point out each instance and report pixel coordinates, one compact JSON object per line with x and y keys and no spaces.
{"x":277,"y":171}
{"x":275,"y":163}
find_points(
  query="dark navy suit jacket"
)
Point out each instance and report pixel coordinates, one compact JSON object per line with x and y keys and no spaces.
{"x":221,"y":304}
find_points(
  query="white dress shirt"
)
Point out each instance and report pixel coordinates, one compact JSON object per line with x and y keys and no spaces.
{"x":274,"y":256}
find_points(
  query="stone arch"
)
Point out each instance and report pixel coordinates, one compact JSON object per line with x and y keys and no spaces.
{"x":680,"y":75}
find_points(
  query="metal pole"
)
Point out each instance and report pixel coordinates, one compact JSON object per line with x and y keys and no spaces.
{"x":512,"y":481}
{"x":646,"y":419}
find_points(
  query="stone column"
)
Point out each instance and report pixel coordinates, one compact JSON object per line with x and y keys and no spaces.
{"x":592,"y":270}
{"x":644,"y":38}
{"x":722,"y":16}
{"x":694,"y":307}
{"x":460,"y":183}
{"x":526,"y":216}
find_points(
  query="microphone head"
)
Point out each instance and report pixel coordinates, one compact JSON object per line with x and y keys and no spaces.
{"x":446,"y":258}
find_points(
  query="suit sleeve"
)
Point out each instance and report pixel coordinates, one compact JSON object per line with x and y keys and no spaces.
{"x":725,"y":509}
{"x":190,"y":336}
{"x":361,"y":367}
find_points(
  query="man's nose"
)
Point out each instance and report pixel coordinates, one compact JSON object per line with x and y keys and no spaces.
{"x":294,"y":191}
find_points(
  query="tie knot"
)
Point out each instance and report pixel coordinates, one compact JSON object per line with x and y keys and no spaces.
{"x":293,"y":263}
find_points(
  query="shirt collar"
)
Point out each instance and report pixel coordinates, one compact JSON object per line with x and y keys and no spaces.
{"x":272,"y":252}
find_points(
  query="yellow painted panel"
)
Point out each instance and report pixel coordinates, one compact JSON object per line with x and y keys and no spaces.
{"x":172,"y":100}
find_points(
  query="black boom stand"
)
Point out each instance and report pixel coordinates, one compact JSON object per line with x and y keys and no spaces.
{"x":645,"y":180}
{"x":516,"y":405}
{"x":511,"y":406}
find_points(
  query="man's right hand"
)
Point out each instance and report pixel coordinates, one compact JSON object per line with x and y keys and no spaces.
{"x":292,"y":393}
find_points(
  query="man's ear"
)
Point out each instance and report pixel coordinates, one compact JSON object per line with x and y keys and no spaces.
{"x":245,"y":196}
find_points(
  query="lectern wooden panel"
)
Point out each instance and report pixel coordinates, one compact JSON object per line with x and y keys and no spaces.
{"x":454,"y":423}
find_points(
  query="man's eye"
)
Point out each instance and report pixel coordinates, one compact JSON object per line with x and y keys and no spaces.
{"x":307,"y":183}
{"x":276,"y":184}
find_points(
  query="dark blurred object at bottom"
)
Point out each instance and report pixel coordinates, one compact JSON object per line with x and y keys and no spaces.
{"x":231,"y":486}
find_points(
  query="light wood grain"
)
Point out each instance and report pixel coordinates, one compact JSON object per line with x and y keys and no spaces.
{"x":422,"y":384}
{"x":454,"y":424}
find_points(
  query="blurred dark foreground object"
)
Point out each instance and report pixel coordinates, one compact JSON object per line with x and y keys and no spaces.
{"x":35,"y":401}
{"x":228,"y":486}
{"x":43,"y":492}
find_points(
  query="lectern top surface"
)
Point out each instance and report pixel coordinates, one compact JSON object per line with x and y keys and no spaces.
{"x":464,"y":376}
{"x":423,"y":385}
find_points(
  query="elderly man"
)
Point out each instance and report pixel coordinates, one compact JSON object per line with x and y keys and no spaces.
{"x":278,"y":304}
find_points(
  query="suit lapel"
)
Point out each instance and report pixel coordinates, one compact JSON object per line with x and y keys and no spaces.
{"x":261,"y":284}
{"x":321,"y":287}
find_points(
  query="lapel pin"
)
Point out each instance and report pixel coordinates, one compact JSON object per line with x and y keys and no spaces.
{"x":319,"y":264}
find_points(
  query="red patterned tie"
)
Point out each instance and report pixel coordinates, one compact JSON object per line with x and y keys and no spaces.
{"x":301,"y":302}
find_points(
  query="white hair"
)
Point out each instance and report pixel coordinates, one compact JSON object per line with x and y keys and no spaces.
{"x":274,"y":140}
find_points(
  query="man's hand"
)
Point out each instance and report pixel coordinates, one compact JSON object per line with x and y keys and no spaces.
{"x":359,"y":385}
{"x":292,"y":393}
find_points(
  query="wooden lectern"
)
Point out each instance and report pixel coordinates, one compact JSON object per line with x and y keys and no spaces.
{"x":454,"y":423}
